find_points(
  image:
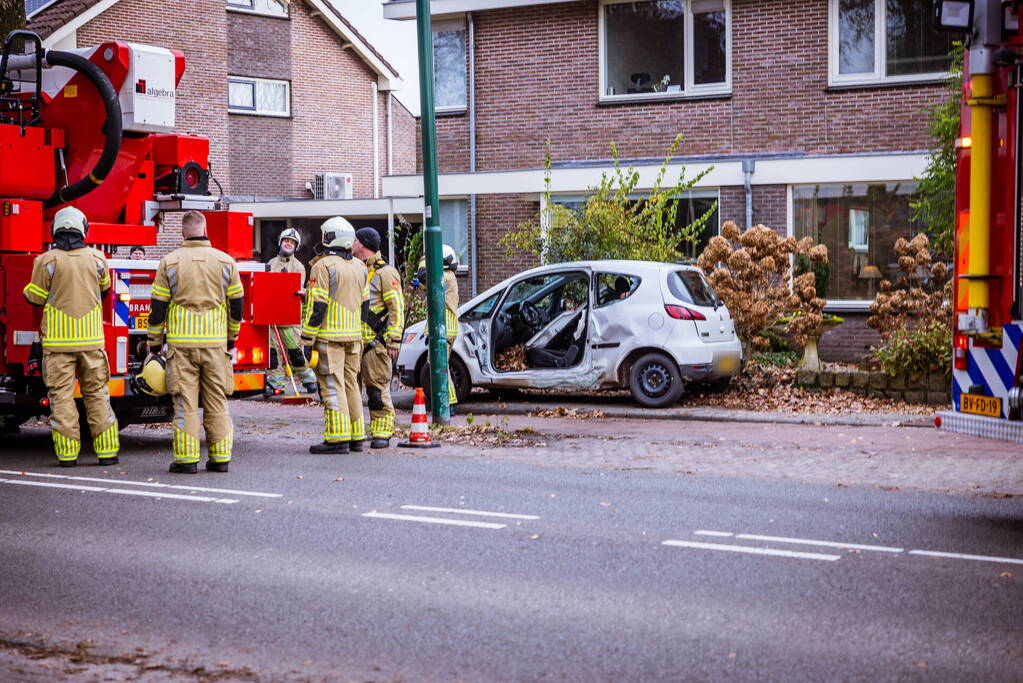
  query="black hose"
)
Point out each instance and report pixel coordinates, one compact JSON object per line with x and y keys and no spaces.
{"x":114,"y":132}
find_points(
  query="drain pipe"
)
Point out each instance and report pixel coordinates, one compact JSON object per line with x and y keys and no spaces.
{"x":748,"y":167}
{"x":473,"y":273}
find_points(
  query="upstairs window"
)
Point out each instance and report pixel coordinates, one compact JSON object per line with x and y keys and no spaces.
{"x":886,"y":40}
{"x":270,"y":8}
{"x":258,"y":96}
{"x":449,"y":66}
{"x":664,"y":48}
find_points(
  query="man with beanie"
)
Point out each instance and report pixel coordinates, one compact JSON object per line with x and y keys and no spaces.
{"x":286,"y":346}
{"x":382,"y":327}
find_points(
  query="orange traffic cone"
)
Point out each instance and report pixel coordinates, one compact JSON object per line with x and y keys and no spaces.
{"x":419,"y":437}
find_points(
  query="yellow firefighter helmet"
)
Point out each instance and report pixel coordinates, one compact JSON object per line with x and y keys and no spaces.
{"x":152,"y":379}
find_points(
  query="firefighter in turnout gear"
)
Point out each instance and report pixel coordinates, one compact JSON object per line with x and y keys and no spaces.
{"x":337,"y":298}
{"x":450,"y":306}
{"x":197,"y":310}
{"x":382,"y":328}
{"x":70,"y":282}
{"x":287,"y":262}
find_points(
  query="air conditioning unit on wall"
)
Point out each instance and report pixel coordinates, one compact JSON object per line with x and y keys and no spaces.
{"x":333,"y":186}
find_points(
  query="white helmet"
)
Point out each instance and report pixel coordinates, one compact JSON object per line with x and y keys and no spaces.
{"x":338,"y":233}
{"x":70,"y":218}
{"x":450,"y":257}
{"x":290,"y":234}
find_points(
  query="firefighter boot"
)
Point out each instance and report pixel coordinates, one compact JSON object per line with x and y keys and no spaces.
{"x":213,"y":466}
{"x":380,"y":442}
{"x":183,"y":468}
{"x":357,"y":445}
{"x":330,"y":448}
{"x":109,"y":461}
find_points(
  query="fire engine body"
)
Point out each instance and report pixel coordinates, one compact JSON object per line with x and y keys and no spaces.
{"x":94,"y":128}
{"x":987,"y":386}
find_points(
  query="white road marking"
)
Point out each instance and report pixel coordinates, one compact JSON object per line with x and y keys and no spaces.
{"x":958,"y":556}
{"x":829,"y":544}
{"x":751,"y":550}
{"x":463,"y":511}
{"x":125,"y":492}
{"x":434,"y":520}
{"x":719,"y":534}
{"x":152,"y":484}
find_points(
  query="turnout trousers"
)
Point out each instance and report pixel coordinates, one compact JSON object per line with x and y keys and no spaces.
{"x":92,"y":370}
{"x":201,"y":373}
{"x":337,"y":372}
{"x":376,"y":377}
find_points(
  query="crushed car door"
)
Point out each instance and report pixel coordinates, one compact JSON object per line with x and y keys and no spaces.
{"x":612,"y":321}
{"x":479,"y":320}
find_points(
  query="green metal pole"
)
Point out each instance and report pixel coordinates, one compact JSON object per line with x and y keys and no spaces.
{"x":433,"y":241}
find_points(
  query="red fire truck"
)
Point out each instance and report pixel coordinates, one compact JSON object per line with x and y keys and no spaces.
{"x":987,"y":387}
{"x":95,"y":128}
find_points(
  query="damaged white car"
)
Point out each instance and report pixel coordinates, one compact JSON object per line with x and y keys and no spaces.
{"x":648,"y":327}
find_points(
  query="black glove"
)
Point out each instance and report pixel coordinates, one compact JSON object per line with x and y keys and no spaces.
{"x":230,"y":344}
{"x":155,"y":350}
{"x":296,"y":357}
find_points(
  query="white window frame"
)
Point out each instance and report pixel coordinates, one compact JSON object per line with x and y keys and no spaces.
{"x":255,"y":99}
{"x":256,"y":7}
{"x":832,"y":305}
{"x":459,"y":24}
{"x":690,"y":89}
{"x":463,"y":268}
{"x":877,"y":76}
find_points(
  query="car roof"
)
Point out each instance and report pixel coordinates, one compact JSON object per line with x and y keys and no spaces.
{"x":611,"y":265}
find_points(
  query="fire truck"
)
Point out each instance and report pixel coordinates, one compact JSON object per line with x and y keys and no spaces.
{"x":95,"y":128}
{"x":987,"y":386}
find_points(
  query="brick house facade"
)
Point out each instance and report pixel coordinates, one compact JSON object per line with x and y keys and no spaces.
{"x":834,"y":150}
{"x":334,"y":82}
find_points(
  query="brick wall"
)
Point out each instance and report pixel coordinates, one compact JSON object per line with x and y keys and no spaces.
{"x":496,"y":216}
{"x":406,"y":139}
{"x":537,"y":78}
{"x":850,"y":341}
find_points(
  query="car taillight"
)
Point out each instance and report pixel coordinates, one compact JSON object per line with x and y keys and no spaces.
{"x":257,"y":355}
{"x":241,"y":356}
{"x":959,"y":352}
{"x":683,"y":313}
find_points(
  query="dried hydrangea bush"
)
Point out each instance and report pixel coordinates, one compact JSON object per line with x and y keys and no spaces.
{"x":913,"y":314}
{"x":752,"y":272}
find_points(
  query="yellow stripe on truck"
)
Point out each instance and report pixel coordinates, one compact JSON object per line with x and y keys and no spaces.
{"x":248,"y":381}
{"x":114,"y":386}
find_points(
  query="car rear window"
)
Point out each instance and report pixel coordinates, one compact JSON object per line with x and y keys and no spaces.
{"x":691,"y":287}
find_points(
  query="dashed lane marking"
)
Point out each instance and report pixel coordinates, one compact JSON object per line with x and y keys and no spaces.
{"x":959,"y":556}
{"x":125,"y":492}
{"x":752,"y":550}
{"x":463,"y":511}
{"x":717,"y":534}
{"x":151,"y":484}
{"x":828,"y":544}
{"x":434,"y":520}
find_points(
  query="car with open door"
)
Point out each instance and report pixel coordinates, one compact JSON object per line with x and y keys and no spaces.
{"x":648,"y":327}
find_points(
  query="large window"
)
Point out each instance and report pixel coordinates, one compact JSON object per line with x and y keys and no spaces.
{"x":664,"y":48}
{"x":691,"y":206}
{"x":449,"y":65}
{"x":859,"y":224}
{"x":454,"y":225}
{"x":258,"y":96}
{"x":880,"y":40}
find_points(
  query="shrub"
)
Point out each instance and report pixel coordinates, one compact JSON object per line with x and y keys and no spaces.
{"x":752,"y":273}
{"x":612,"y":224}
{"x":927,"y":347}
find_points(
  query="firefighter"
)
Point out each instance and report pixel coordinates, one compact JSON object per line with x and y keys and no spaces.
{"x":197,"y":310}
{"x":382,"y":327}
{"x":336,"y":298}
{"x":450,"y":257}
{"x":286,"y":262}
{"x":70,"y":282}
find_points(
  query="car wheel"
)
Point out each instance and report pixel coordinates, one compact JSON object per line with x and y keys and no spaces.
{"x":655,"y":381}
{"x":459,"y":377}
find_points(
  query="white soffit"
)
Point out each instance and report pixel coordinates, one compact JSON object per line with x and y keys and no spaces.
{"x":798,"y":171}
{"x":404,"y":10}
{"x":70,"y":29}
{"x":312,"y":208}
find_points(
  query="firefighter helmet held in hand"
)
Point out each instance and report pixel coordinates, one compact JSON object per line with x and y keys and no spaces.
{"x":152,"y":379}
{"x":338,"y":233}
{"x":290,"y":234}
{"x":450,"y":258}
{"x":70,"y":218}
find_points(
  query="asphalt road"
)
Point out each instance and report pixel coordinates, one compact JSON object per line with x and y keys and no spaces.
{"x":324,"y":567}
